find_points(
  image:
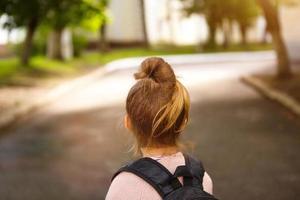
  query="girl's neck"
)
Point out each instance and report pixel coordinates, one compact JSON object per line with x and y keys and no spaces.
{"x":159,"y":151}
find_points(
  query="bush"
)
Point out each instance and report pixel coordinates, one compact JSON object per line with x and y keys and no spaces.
{"x":79,"y":43}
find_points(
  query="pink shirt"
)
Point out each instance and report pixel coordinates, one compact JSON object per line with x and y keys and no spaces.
{"x":129,"y":186}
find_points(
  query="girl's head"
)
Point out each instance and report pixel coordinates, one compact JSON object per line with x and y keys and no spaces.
{"x":157,"y":105}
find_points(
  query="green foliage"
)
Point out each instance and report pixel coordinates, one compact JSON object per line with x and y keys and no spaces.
{"x":40,"y":41}
{"x":20,"y":12}
{"x":218,"y":10}
{"x":96,"y":19}
{"x":244,"y":12}
{"x":29,"y":14}
{"x":64,"y":13}
{"x":213,"y":10}
{"x":56,"y":14}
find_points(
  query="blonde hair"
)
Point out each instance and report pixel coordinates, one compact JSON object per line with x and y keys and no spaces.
{"x":172,"y":110}
{"x":157,"y":105}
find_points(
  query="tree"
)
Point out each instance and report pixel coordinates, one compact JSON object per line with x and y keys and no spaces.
{"x":64,"y":13}
{"x":272,"y":18}
{"x":97,"y":22}
{"x":144,"y":24}
{"x":212,"y":10}
{"x":104,"y":19}
{"x":227,"y":9}
{"x":220,"y":14}
{"x":28,"y":14}
{"x":245,"y":13}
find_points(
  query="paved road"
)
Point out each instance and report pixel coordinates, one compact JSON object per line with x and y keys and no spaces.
{"x":69,"y":149}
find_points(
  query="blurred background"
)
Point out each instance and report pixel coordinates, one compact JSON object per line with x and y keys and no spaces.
{"x":66,"y":67}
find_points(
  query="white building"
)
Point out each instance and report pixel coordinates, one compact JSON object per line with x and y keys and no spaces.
{"x":166,"y":23}
{"x":126,"y":22}
{"x":291,"y":30}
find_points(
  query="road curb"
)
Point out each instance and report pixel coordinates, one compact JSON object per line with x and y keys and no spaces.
{"x":52,"y":95}
{"x":273,"y":94}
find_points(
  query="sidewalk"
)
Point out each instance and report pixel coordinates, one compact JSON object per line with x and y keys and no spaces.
{"x":18,"y":101}
{"x":284,"y":95}
{"x":274,"y":94}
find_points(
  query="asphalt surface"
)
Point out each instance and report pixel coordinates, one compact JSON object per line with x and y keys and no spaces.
{"x":70,"y":148}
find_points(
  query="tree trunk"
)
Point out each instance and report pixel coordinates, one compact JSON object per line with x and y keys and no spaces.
{"x":144,"y":25}
{"x":57,"y":47}
{"x":168,"y":18}
{"x":243,"y":32}
{"x":103,"y":46}
{"x":264,"y":39}
{"x":27,"y":45}
{"x":271,"y":15}
{"x":8,"y":36}
{"x":212,"y":34}
{"x":226,"y":25}
{"x":283,"y":62}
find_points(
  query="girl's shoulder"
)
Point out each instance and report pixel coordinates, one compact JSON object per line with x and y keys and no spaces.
{"x":127,"y":185}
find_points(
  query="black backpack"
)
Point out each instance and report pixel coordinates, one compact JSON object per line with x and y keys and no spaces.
{"x":166,"y":184}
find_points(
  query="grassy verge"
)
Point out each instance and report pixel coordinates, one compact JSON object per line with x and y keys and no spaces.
{"x":238,"y":47}
{"x":12,"y":73}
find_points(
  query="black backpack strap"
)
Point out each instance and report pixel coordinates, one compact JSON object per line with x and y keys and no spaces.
{"x":185,"y":172}
{"x":196,"y":168}
{"x":153,"y":173}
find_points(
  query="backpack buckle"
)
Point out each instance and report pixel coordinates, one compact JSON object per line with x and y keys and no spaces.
{"x":175,"y":183}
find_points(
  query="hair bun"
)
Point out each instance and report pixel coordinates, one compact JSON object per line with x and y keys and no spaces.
{"x":156,"y":69}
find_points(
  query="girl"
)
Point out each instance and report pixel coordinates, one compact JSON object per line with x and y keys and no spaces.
{"x":157,"y":112}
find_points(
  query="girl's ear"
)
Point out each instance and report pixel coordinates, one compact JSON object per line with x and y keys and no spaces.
{"x":127,"y":122}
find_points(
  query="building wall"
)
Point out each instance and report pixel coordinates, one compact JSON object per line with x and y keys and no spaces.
{"x":126,"y":22}
{"x":290,"y":16}
{"x":167,"y":24}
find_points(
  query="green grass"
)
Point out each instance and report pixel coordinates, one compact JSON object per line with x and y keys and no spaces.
{"x":238,"y":47}
{"x":8,"y":66}
{"x":104,"y":58}
{"x":43,"y":63}
{"x":11,"y":71}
